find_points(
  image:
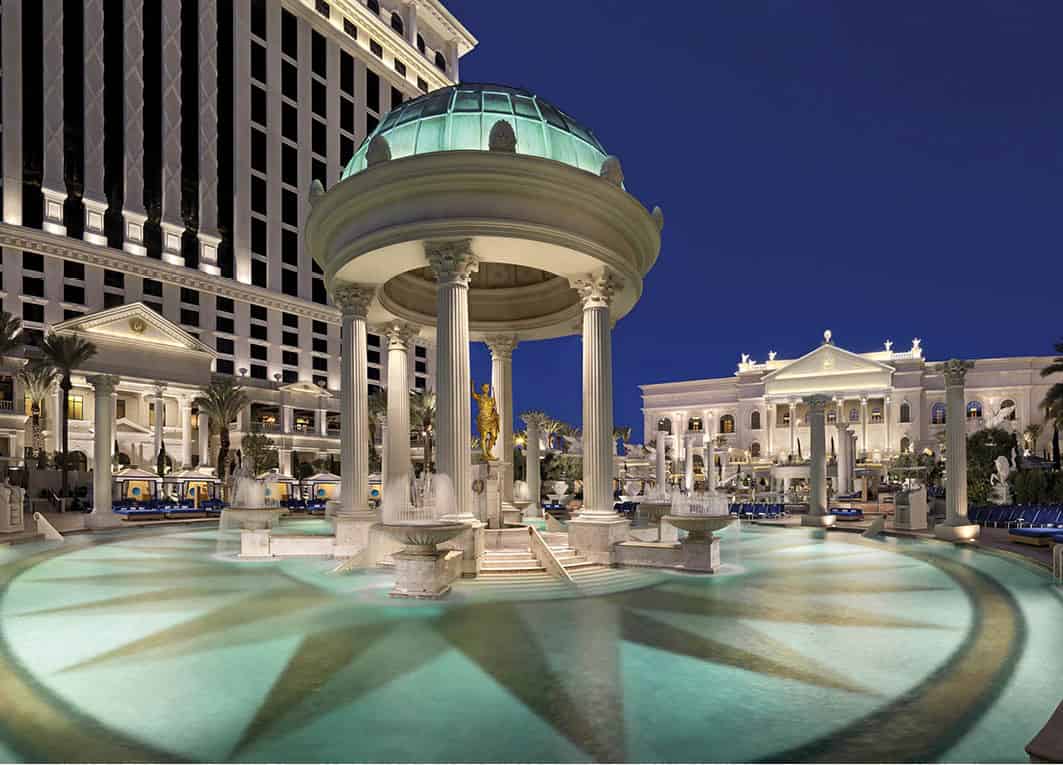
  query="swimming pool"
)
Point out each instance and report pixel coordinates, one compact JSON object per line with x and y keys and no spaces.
{"x":157,"y":645}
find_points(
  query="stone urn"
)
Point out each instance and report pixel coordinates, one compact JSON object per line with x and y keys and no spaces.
{"x":700,"y":528}
{"x":421,"y":569}
{"x":700,"y":549}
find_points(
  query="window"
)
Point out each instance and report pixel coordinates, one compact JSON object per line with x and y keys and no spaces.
{"x":754,"y":421}
{"x":259,"y":332}
{"x":373,"y":357}
{"x":317,"y":54}
{"x":754,"y":450}
{"x":319,"y":293}
{"x":290,"y":375}
{"x":397,"y":25}
{"x":259,"y":235}
{"x":372,"y":90}
{"x":290,"y":320}
{"x":289,"y":207}
{"x":400,"y":67}
{"x":347,"y":73}
{"x":153,"y":287}
{"x":73,"y":293}
{"x":422,"y":85}
{"x":290,"y":358}
{"x":68,"y":315}
{"x":259,"y":372}
{"x":373,"y":339}
{"x":322,"y":382}
{"x":72,"y":270}
{"x":258,"y":18}
{"x":420,"y":44}
{"x":259,"y":352}
{"x":258,"y":195}
{"x":373,"y":5}
{"x":258,"y":105}
{"x":112,"y":300}
{"x":290,"y":165}
{"x":31,"y":285}
{"x":258,"y":150}
{"x":289,"y":34}
{"x":75,"y":407}
{"x":289,"y":247}
{"x":259,"y":313}
{"x":259,"y":273}
{"x":396,"y":98}
{"x":225,"y":345}
{"x":258,"y":62}
{"x":854,"y":415}
{"x":420,"y":366}
{"x":974,"y":410}
{"x":350,"y":29}
{"x":290,"y":282}
{"x":375,"y":49}
{"x":32,"y":261}
{"x":224,"y":366}
{"x":419,"y":351}
{"x":189,"y":317}
{"x":113,"y":279}
{"x":319,"y":138}
{"x":347,"y":115}
{"x":906,"y":445}
{"x":727,"y":424}
{"x":320,"y":363}
{"x":694,"y":424}
{"x":33,"y":312}
{"x":319,"y":327}
{"x":289,"y":122}
{"x":441,"y":62}
{"x":420,"y":383}
{"x":318,"y":98}
{"x":119,"y":408}
{"x":906,"y":412}
{"x":289,"y":81}
{"x":290,"y":338}
{"x":224,"y":305}
{"x":322,"y":7}
{"x":189,"y":296}
{"x":320,"y":345}
{"x":876,"y":415}
{"x":224,"y":324}
{"x":373,"y":373}
{"x":937,"y":414}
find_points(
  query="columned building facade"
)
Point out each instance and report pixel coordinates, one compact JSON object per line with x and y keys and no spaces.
{"x":887,"y":402}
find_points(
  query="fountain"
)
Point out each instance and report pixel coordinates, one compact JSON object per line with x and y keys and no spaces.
{"x":700,"y":515}
{"x":421,"y":569}
{"x":249,"y":511}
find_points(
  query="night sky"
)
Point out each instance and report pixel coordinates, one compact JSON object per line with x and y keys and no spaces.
{"x":887,"y":170}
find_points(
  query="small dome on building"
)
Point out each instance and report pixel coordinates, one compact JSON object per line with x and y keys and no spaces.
{"x":461,"y":117}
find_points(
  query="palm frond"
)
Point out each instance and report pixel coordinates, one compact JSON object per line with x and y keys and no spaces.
{"x":10,"y":333}
{"x":222,"y":401}
{"x":38,"y":380}
{"x":66,"y":352}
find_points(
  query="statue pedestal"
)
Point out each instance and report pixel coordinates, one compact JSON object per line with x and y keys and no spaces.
{"x":489,"y":500}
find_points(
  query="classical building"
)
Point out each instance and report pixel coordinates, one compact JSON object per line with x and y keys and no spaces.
{"x":891,"y":402}
{"x":162,"y":154}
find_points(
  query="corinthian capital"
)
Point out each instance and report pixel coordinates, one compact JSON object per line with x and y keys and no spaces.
{"x":452,"y":260}
{"x":103,"y":384}
{"x":502,"y":346}
{"x":353,"y":299}
{"x":817,"y":404}
{"x":534,"y":419}
{"x":596,"y":290}
{"x":954,"y":371}
{"x":399,"y":334}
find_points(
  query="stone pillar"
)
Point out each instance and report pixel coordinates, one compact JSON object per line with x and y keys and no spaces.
{"x":172,"y":221}
{"x":887,"y":413}
{"x":11,"y":105}
{"x":454,"y":264}
{"x":793,"y":426}
{"x":102,"y":514}
{"x":533,"y":421}
{"x":688,"y":464}
{"x":662,"y":461}
{"x":208,"y":138}
{"x":133,"y":214}
{"x":284,"y":461}
{"x":817,"y":470}
{"x":598,"y":527}
{"x":710,"y":466}
{"x":863,"y":423}
{"x":957,"y":527}
{"x":186,"y":432}
{"x":769,"y":419}
{"x":204,"y":440}
{"x":502,"y":347}
{"x":94,"y":198}
{"x":321,"y":422}
{"x":397,"y":445}
{"x":353,"y":301}
{"x":53,"y":185}
{"x":843,"y":457}
{"x":851,"y":461}
{"x":160,"y":418}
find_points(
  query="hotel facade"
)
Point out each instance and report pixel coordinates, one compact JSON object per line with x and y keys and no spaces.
{"x":157,"y":161}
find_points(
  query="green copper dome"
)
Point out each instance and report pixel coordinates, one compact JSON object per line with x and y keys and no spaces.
{"x":461,"y":117}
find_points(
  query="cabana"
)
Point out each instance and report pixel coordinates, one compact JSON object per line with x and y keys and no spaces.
{"x":319,"y":489}
{"x":280,"y":488}
{"x":192,"y":489}
{"x":136,"y":485}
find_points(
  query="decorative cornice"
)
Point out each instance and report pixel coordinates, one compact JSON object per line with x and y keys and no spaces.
{"x":502,"y":346}
{"x":597,"y":290}
{"x":67,"y":248}
{"x":452,"y":260}
{"x":955,"y":371}
{"x":353,"y":299}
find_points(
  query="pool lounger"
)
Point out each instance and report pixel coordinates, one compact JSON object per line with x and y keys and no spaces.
{"x":1040,"y":537}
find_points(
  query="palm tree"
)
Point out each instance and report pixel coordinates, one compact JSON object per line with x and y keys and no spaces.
{"x":549,"y":429}
{"x":222,"y":401}
{"x":38,"y":380}
{"x":423,"y":419}
{"x":66,"y":353}
{"x":10,"y":334}
{"x":1053,"y":401}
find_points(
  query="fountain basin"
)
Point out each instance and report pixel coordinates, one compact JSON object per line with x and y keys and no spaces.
{"x":251,"y":518}
{"x":699,"y":527}
{"x":421,"y":537}
{"x":422,"y":571}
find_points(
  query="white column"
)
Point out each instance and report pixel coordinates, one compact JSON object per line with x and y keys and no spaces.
{"x":596,"y":293}
{"x":863,"y":423}
{"x":11,"y":25}
{"x":397,"y":446}
{"x":793,"y":426}
{"x":287,"y":418}
{"x":409,"y":20}
{"x":133,"y":214}
{"x":186,"y":431}
{"x":533,"y":421}
{"x":688,"y":464}
{"x":160,"y":417}
{"x":662,"y":461}
{"x":770,"y":421}
{"x":94,"y":199}
{"x":887,"y":415}
{"x":53,"y":186}
{"x":843,"y":443}
{"x":204,"y":440}
{"x":502,"y":347}
{"x":956,"y":526}
{"x":103,"y":425}
{"x":353,"y":301}
{"x":56,"y":420}
{"x":208,"y":138}
{"x":172,"y":221}
{"x":817,"y":470}
{"x":453,"y":263}
{"x":284,"y":461}
{"x":322,"y":420}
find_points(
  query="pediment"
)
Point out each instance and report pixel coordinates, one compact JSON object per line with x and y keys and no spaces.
{"x":135,"y":324}
{"x":827,"y":369}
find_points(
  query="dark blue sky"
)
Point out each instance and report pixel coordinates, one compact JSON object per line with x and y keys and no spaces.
{"x":887,"y":170}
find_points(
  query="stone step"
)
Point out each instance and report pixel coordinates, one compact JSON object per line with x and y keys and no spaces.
{"x":531,"y":566}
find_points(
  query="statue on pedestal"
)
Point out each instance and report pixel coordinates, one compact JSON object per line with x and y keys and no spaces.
{"x":487,"y":420}
{"x":1000,"y":493}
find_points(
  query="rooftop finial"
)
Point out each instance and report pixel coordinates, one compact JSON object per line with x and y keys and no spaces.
{"x":889,"y":345}
{"x":827,"y":337}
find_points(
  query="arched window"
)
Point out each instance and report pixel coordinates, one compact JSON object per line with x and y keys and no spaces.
{"x":974,"y":410}
{"x":906,"y":445}
{"x":373,"y":5}
{"x":727,"y":424}
{"x":754,"y":450}
{"x":832,"y":416}
{"x":420,"y":44}
{"x":854,"y":415}
{"x":694,"y":423}
{"x":754,"y":421}
{"x":1008,"y":404}
{"x":665,"y":424}
{"x":396,"y":23}
{"x":441,"y":62}
{"x":937,"y":414}
{"x":876,"y":414}
{"x":906,"y":412}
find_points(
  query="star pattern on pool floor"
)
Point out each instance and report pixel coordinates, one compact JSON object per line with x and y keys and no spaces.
{"x":575,"y":686}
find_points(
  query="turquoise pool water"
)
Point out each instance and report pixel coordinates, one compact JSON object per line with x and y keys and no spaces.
{"x":158,"y":645}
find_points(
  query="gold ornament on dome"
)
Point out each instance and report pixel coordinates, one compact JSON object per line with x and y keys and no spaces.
{"x":137,"y":324}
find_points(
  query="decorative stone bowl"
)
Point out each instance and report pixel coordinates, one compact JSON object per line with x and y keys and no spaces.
{"x":251,"y":518}
{"x":421,"y":537}
{"x":699,"y":528}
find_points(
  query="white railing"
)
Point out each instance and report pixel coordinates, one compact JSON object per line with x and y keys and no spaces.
{"x":47,"y":529}
{"x":542,"y":552}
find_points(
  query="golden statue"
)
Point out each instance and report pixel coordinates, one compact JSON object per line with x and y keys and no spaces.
{"x":486,"y":420}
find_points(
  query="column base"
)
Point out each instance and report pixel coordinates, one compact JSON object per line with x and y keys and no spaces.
{"x":133,"y":232}
{"x":53,"y":211}
{"x":594,"y":536}
{"x":964,"y":533}
{"x":171,"y":244}
{"x":818,"y":521}
{"x":208,"y":254}
{"x":94,"y":221}
{"x":352,"y":530}
{"x":105,"y":519}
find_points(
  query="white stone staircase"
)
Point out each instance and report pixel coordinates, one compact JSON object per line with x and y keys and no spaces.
{"x":520,"y":563}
